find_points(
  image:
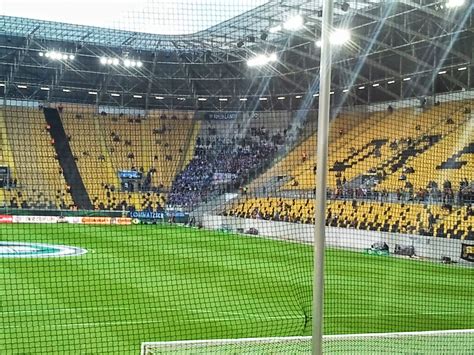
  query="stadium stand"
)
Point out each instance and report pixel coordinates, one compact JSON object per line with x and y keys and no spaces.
{"x":39,"y":178}
{"x":409,"y":218}
{"x":157,"y":146}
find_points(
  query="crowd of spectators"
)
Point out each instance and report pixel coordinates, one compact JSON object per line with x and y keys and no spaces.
{"x":432,"y":193}
{"x":223,"y":165}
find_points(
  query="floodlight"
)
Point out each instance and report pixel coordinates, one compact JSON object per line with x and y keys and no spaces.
{"x":22,"y":86}
{"x":316,"y":95}
{"x":361,"y":87}
{"x":202,"y":99}
{"x":92,"y":93}
{"x":406,"y":79}
{"x":71,"y":56}
{"x":340,"y":36}
{"x":64,"y":56}
{"x":462,"y":68}
{"x":126,"y":62}
{"x":275,"y":29}
{"x":345,"y":90}
{"x":47,"y":55}
{"x":281,"y":97}
{"x":331,"y":93}
{"x":450,"y":4}
{"x":391,"y":82}
{"x":159,"y":97}
{"x":294,"y":23}
{"x":298,"y":97}
{"x":139,"y":64}
{"x":223,"y":99}
{"x":41,"y":54}
{"x":44,"y":88}
{"x":133,"y":63}
{"x":115,"y":61}
{"x":243,"y":99}
{"x":442,"y":72}
{"x":137,"y":96}
{"x":2,"y":84}
{"x":66,"y":90}
{"x":262,"y":98}
{"x":103,"y":60}
{"x":375,"y":85}
{"x":114,"y":94}
{"x":262,"y":59}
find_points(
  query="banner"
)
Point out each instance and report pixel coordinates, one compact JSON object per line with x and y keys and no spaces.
{"x":467,"y":252}
{"x":129,"y":174}
{"x":221,"y":116}
{"x":4,"y":219}
{"x":96,"y":220}
{"x":35,"y":219}
{"x":123,"y":221}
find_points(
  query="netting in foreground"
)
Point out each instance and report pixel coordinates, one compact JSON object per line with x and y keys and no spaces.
{"x":429,"y":342}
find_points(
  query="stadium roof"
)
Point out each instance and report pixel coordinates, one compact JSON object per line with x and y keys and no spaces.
{"x":391,"y":41}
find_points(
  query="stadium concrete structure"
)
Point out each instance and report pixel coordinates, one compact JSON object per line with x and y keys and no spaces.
{"x":113,"y":140}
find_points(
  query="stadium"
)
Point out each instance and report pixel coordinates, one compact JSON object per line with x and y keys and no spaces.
{"x":185,"y":177}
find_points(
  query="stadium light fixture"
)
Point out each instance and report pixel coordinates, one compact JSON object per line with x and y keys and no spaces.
{"x":450,"y":4}
{"x":275,"y":29}
{"x":22,"y":86}
{"x":316,"y":95}
{"x":280,"y":97}
{"x":2,"y":84}
{"x":115,"y":61}
{"x":262,"y":98}
{"x":114,"y":94}
{"x":298,"y":97}
{"x":331,"y":93}
{"x":202,"y":99}
{"x":442,"y":72}
{"x":137,"y":96}
{"x":159,"y":97}
{"x":44,"y":88}
{"x":41,"y":54}
{"x":223,"y":99}
{"x":243,"y":99}
{"x":376,"y":85}
{"x":262,"y":59}
{"x":71,"y":56}
{"x":294,"y":23}
{"x":361,"y":87}
{"x":462,"y":68}
{"x":92,"y":92}
{"x":127,"y":63}
{"x":391,"y":82}
{"x":66,"y":90}
{"x":181,"y":98}
{"x":407,"y":79}
{"x":338,"y":37}
{"x":103,"y":60}
{"x":345,"y":90}
{"x":139,"y":64}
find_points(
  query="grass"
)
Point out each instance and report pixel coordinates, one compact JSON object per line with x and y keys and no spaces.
{"x":162,"y":283}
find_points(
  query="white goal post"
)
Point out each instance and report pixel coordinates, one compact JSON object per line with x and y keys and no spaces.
{"x":448,"y":341}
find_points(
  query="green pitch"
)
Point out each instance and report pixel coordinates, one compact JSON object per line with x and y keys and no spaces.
{"x":162,"y":283}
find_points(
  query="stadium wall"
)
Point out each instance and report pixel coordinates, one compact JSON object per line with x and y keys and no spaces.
{"x":425,"y":247}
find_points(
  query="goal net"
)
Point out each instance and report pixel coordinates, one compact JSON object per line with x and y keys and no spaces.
{"x":158,"y":164}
